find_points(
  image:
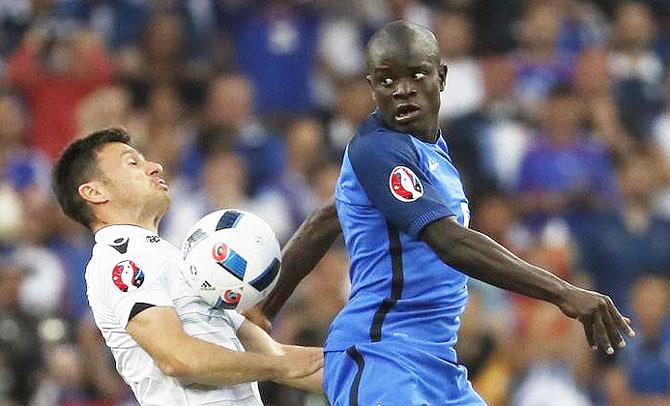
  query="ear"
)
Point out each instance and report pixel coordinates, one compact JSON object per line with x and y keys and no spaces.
{"x":93,"y":192}
{"x":442,"y":73}
{"x":372,"y":89}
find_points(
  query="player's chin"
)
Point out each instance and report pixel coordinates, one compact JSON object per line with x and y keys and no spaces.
{"x":410,"y":126}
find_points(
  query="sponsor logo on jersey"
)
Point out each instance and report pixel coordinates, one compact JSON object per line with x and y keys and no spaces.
{"x":153,"y":239}
{"x":127,"y":276}
{"x":120,"y":244}
{"x":404,"y":184}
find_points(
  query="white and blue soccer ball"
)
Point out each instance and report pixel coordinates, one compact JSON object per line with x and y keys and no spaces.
{"x":232,"y":259}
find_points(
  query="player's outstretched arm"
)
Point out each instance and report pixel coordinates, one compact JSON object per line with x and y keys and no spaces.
{"x":256,"y":340}
{"x":159,"y":332}
{"x":300,"y":255}
{"x":479,"y":256}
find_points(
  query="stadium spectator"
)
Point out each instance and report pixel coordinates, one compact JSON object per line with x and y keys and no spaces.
{"x":229,"y":118}
{"x":593,"y":84}
{"x":223,"y":185}
{"x":619,"y":246}
{"x":643,"y":376}
{"x":56,"y":67}
{"x":564,"y":173}
{"x":353,"y":104}
{"x":455,"y":37}
{"x":539,"y":66}
{"x":636,"y":70}
{"x":20,"y":347}
{"x":118,"y":22}
{"x":282,"y":35}
{"x":660,"y":143}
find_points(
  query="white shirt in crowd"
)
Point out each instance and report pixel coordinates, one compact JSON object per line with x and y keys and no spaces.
{"x":132,"y":265}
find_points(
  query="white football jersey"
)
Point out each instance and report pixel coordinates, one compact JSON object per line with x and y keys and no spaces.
{"x":132,"y":265}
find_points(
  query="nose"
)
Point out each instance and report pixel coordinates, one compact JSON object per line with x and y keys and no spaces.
{"x":154,"y":168}
{"x":404,"y":89}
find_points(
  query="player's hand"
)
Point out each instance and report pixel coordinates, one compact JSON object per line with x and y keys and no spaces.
{"x":603,"y":324}
{"x":299,"y":362}
{"x":256,"y":316}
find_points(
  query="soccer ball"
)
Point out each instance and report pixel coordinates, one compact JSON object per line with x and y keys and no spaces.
{"x":232,"y":259}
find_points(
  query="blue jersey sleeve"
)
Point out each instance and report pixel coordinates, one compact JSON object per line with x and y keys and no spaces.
{"x":388,"y":168}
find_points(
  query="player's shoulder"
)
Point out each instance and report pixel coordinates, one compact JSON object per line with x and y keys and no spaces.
{"x":122,"y":239}
{"x":118,"y":243}
{"x":374,"y":140}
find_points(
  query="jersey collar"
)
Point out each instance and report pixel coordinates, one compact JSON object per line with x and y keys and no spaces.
{"x":114,"y":231}
{"x":375,"y":117}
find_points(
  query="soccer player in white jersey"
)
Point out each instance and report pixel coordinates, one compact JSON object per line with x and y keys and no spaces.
{"x":169,"y":345}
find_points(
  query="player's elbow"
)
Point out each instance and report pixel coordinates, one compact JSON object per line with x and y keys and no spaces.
{"x":447,"y":239}
{"x":175,"y":367}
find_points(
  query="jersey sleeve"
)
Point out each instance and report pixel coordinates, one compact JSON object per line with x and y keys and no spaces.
{"x":235,"y":318}
{"x":388,"y":168}
{"x":135,"y":280}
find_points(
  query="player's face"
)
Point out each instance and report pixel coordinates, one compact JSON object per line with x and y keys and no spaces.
{"x":406,"y":85}
{"x":132,"y":180}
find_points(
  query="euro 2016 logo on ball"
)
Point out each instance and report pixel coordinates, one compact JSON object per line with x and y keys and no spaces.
{"x":232,"y":259}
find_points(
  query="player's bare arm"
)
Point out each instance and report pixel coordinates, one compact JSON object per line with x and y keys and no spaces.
{"x":300,"y":255}
{"x":159,"y":332}
{"x":256,"y":340}
{"x":482,"y":258}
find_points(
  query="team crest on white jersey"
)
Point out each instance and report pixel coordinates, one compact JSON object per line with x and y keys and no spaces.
{"x":404,"y":184}
{"x":127,"y":276}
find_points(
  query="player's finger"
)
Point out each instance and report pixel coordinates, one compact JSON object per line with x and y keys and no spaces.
{"x":600,"y":334}
{"x":588,"y":331}
{"x":623,"y":323}
{"x":612,"y":327}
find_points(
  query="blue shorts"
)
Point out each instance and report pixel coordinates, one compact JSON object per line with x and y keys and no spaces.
{"x":385,"y":374}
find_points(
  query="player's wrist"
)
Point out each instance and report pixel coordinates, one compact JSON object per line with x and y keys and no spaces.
{"x":564,"y":295}
{"x":277,"y":367}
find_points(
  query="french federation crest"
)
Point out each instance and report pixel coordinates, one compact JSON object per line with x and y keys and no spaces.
{"x":127,"y":276}
{"x":404,"y":184}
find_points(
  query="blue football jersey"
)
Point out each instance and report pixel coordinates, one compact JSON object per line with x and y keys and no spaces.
{"x":391,"y":186}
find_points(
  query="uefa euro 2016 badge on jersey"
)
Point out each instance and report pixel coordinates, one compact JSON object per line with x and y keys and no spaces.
{"x":127,"y":276}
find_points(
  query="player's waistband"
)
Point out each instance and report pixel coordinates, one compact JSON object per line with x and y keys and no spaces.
{"x":409,"y":349}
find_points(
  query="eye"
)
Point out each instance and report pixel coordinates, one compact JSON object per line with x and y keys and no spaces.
{"x":419,"y":75}
{"x":386,"y":81}
{"x":132,"y":162}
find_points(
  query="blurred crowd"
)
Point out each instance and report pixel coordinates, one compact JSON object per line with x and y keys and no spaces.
{"x":557,"y":114}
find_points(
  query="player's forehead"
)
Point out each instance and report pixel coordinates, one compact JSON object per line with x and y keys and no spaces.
{"x":113,"y":153}
{"x":398,"y":56}
{"x":116,"y":150}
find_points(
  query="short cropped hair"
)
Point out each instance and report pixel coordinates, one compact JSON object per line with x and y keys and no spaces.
{"x":76,"y":166}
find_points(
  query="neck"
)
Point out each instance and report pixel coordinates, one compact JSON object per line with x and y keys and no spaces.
{"x":151,"y":226}
{"x":110,"y":218}
{"x":429,"y":135}
{"x":637,"y":216}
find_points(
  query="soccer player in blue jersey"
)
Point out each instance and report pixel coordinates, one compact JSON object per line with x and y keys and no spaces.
{"x":404,"y":217}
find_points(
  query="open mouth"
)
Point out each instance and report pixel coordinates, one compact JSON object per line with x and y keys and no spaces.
{"x":162,"y":183}
{"x":406,"y":112}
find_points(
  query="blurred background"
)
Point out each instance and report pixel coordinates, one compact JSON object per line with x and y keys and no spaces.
{"x":556,"y":112}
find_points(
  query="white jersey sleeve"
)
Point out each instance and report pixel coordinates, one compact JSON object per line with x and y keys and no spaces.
{"x":236,"y":319}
